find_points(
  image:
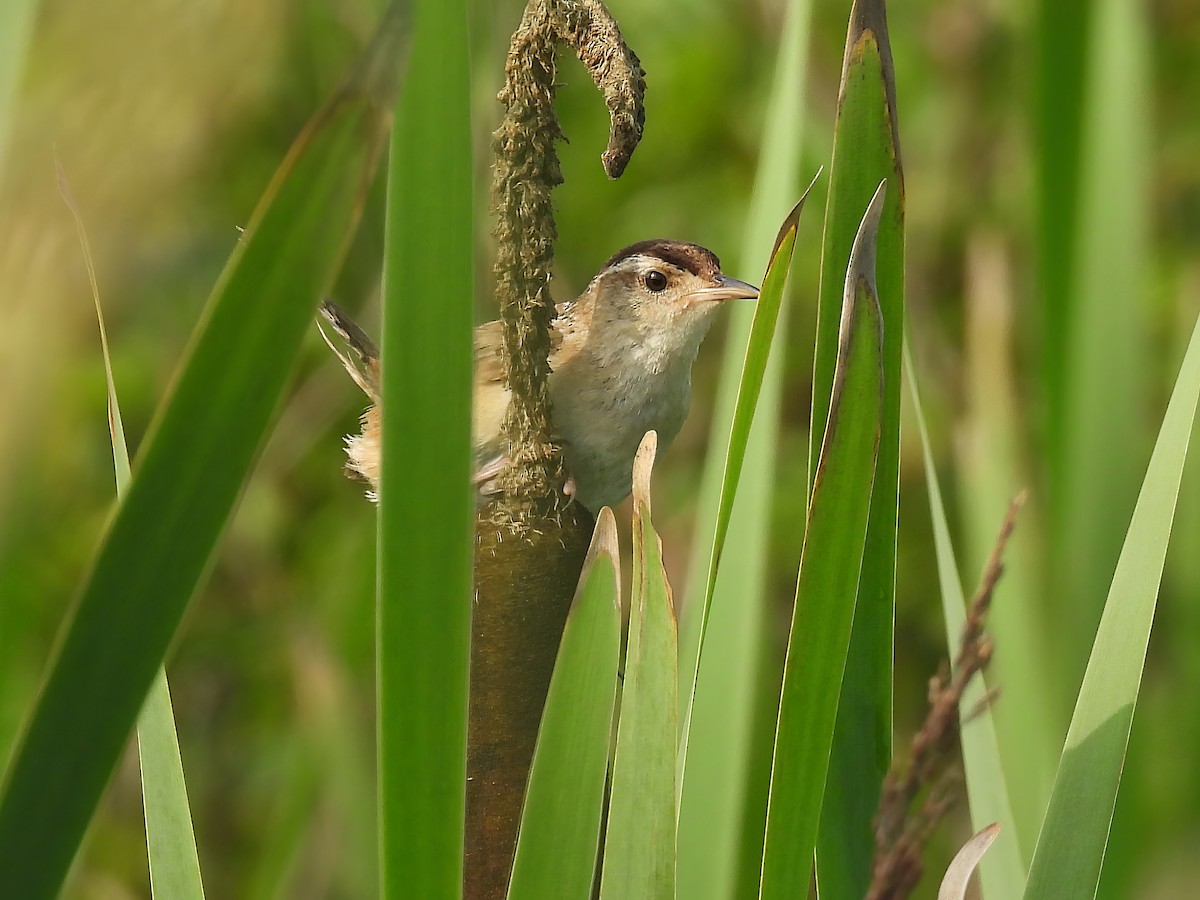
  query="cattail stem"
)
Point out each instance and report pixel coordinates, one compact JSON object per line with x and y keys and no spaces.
{"x":530,"y":542}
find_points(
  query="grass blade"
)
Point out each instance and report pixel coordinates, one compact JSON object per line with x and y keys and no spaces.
{"x":1105,"y":360}
{"x":170,"y":841}
{"x":426,"y":510}
{"x":1074,"y":836}
{"x":1031,"y":721}
{"x":1003,"y":872}
{"x":723,"y":798}
{"x":639,"y":845}
{"x":1060,"y":94}
{"x":958,"y":875}
{"x":828,"y":579}
{"x":116,"y":429}
{"x":866,"y":149}
{"x":196,"y":459}
{"x":766,"y":314}
{"x":560,"y":824}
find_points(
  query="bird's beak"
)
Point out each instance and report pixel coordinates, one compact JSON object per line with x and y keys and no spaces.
{"x":726,"y":288}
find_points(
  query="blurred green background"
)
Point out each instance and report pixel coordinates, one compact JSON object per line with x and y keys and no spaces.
{"x":169,"y":119}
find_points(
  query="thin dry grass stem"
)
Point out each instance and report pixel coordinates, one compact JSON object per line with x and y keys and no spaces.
{"x":900,"y":831}
{"x":527,"y":170}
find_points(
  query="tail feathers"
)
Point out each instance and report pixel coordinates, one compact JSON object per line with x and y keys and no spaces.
{"x":363,"y":367}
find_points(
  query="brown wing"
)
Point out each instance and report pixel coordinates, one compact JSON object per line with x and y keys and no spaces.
{"x":364,"y":367}
{"x":489,"y":349}
{"x":491,"y":392}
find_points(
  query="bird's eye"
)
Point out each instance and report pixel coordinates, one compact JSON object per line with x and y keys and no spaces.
{"x":655,"y":281}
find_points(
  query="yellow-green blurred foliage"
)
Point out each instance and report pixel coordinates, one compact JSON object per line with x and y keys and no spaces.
{"x":169,"y":118}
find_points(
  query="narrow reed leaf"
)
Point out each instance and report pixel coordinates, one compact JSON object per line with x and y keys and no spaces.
{"x":170,"y":841}
{"x":639,"y":845}
{"x":866,"y":149}
{"x":1060,"y":89}
{"x":758,"y":348}
{"x":731,"y":724}
{"x":1071,"y":846}
{"x":958,"y":875}
{"x":560,"y":824}
{"x":1003,"y":872}
{"x":426,"y":497}
{"x":195,"y":461}
{"x":828,"y":580}
{"x":116,"y":430}
{"x":1105,"y":355}
{"x":1031,"y":721}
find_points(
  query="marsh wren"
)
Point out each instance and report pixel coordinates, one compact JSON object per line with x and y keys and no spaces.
{"x":621,"y":357}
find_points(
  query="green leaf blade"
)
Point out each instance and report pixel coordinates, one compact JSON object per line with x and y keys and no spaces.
{"x":1002,"y":871}
{"x":866,"y":149}
{"x":1074,"y":836}
{"x":560,"y":824}
{"x":1032,"y":719}
{"x":639,"y":845}
{"x":1104,"y":352}
{"x":194,"y":463}
{"x":828,"y":581}
{"x":170,"y":840}
{"x":1057,"y":113}
{"x":766,"y":315}
{"x":723,"y":782}
{"x":426,"y":497}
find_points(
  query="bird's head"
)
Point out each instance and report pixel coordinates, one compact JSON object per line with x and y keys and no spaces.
{"x":664,"y":292}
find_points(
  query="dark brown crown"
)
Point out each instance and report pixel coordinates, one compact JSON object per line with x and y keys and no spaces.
{"x":687,"y":257}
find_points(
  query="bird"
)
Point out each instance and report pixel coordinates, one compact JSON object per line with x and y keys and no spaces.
{"x":621,"y":356}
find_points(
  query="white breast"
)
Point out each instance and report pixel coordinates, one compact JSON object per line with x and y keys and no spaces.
{"x":603,"y":408}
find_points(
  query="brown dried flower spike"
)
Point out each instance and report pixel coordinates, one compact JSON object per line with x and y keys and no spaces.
{"x":527,"y":170}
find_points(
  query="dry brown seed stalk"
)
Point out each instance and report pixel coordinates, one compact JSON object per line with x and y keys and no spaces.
{"x":900,"y":832}
{"x":527,"y":170}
